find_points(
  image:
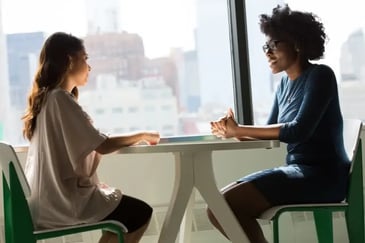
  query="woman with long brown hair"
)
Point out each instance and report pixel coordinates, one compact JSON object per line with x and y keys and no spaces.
{"x":65,"y":149}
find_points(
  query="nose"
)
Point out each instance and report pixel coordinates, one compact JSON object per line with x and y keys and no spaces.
{"x":89,"y":67}
{"x":268,"y":53}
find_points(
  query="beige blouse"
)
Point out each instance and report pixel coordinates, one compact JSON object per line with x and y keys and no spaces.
{"x":61,"y":167}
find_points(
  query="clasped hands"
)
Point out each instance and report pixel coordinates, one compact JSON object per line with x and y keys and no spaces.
{"x":225,"y":127}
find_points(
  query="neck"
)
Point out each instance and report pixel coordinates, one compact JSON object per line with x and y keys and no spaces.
{"x":297,"y":69}
{"x":67,"y":85}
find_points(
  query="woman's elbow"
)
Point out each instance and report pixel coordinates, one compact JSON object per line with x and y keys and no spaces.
{"x":104,"y":147}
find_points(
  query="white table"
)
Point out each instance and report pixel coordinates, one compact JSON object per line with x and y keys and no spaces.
{"x":194,"y":169}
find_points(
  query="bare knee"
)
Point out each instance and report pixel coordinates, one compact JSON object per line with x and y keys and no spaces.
{"x":246,"y":200}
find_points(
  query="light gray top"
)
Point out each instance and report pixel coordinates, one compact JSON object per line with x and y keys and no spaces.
{"x":61,"y":167}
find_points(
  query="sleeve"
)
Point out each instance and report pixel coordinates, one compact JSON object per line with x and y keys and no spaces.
{"x":76,"y":131}
{"x":319,"y":90}
{"x":273,"y":117}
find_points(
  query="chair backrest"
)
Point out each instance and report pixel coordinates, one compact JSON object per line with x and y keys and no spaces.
{"x":18,"y":220}
{"x":351,"y":134}
{"x":7,"y":155}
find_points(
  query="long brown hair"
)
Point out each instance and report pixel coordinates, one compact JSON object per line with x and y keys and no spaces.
{"x":54,"y":64}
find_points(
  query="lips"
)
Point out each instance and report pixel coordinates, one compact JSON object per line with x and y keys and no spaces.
{"x":272,"y":62}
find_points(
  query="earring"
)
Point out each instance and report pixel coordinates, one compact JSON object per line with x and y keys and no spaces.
{"x":70,"y":67}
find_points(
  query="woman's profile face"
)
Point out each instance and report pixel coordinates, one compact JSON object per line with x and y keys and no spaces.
{"x":79,"y":71}
{"x":280,"y":54}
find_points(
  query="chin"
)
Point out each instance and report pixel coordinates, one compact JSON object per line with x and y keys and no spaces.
{"x":275,"y":70}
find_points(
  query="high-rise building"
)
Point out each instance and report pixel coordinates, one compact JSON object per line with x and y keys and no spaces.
{"x":120,"y":54}
{"x":103,"y":16}
{"x":188,"y":86}
{"x":120,"y":106}
{"x":23,"y":51}
{"x":128,"y":87}
{"x":213,"y":52}
{"x":352,"y":76}
{"x":4,"y":81}
{"x":352,"y":65}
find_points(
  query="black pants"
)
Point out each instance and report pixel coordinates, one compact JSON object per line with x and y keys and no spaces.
{"x":132,"y":212}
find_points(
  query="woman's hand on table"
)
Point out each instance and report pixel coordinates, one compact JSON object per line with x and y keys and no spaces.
{"x":224,"y":127}
{"x":151,"y":138}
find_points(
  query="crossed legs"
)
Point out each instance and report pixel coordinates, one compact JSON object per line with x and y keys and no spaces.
{"x":247,"y":203}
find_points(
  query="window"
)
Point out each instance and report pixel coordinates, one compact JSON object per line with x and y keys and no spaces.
{"x":117,"y":110}
{"x":344,"y":53}
{"x":169,"y":54}
{"x":192,"y":56}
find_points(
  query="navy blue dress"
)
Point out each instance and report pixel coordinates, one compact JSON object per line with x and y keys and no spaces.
{"x":316,"y":168}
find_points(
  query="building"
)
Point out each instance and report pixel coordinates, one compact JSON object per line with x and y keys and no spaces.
{"x":23,"y":51}
{"x":103,"y":16}
{"x":352,"y":65}
{"x":121,"y":106}
{"x":4,"y":83}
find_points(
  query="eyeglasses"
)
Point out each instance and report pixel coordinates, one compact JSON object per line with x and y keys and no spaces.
{"x":271,"y":45}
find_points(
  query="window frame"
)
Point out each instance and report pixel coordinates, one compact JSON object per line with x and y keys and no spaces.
{"x":240,"y":62}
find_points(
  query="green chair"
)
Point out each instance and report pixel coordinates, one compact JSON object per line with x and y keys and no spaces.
{"x":18,"y":220}
{"x":352,"y":206}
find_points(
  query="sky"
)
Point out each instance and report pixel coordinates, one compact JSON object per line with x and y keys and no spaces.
{"x":174,"y":20}
{"x":340,"y":19}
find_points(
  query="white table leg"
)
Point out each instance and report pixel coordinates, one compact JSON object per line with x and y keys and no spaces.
{"x":187,"y":222}
{"x":183,"y":186}
{"x":206,"y":184}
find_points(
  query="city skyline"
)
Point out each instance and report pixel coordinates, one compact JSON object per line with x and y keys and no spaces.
{"x":181,"y":17}
{"x":184,"y":60}
{"x":133,"y":18}
{"x":198,"y":79}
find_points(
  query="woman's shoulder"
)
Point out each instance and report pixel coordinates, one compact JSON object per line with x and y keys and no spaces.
{"x":321,"y":75}
{"x":58,"y":92}
{"x":60,"y":97}
{"x":322,"y":68}
{"x":322,"y":72}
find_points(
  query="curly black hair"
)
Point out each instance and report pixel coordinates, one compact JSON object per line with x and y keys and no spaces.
{"x":304,"y":29}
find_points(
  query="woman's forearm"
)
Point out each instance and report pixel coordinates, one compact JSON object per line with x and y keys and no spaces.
{"x":258,"y":132}
{"x":112,"y":144}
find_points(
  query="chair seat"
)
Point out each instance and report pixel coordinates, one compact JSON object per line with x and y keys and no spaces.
{"x":72,"y":227}
{"x":271,"y":212}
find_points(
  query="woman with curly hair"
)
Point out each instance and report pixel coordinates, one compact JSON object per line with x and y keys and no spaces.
{"x":65,"y":149}
{"x":305,"y":114}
